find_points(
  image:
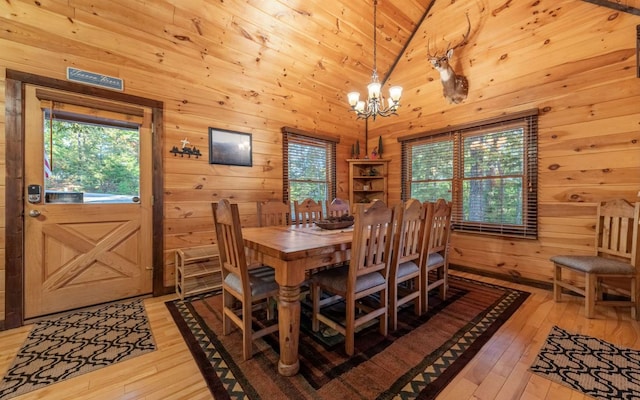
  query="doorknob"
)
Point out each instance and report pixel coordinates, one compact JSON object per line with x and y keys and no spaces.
{"x":34,"y":213}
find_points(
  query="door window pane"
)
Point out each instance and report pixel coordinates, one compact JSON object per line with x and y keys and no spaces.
{"x":88,"y":162}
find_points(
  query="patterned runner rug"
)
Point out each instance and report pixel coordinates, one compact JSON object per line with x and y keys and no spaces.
{"x":416,"y":361}
{"x":77,"y":343}
{"x":589,"y":365}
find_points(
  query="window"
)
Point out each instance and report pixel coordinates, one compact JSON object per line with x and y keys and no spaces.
{"x":487,"y":169}
{"x":309,"y":166}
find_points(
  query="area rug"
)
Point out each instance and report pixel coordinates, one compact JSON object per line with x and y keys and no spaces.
{"x":415,"y":361}
{"x":77,"y":343}
{"x":589,"y":365}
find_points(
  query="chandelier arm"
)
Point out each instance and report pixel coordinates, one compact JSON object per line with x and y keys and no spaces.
{"x":387,"y":112}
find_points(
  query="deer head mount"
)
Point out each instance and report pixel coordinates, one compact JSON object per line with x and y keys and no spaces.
{"x":454,"y":87}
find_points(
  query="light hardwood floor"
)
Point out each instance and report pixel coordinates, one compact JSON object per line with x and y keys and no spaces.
{"x":499,"y":371}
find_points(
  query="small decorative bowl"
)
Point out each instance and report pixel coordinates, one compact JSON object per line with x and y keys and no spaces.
{"x":333,"y":224}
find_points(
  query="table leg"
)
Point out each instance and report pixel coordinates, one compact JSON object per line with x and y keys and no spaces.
{"x":289,"y":328}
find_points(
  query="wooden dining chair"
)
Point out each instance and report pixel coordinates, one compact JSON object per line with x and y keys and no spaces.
{"x":307,"y":211}
{"x":408,"y":254}
{"x":338,"y":207}
{"x":273,"y":213}
{"x":242,"y":287}
{"x":365,"y":275}
{"x":435,"y":268}
{"x":615,"y":255}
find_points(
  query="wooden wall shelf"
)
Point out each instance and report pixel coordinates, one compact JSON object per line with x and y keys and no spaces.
{"x":368,"y":180}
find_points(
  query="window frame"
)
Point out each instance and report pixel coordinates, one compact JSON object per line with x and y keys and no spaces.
{"x":297,"y":136}
{"x":526,"y":120}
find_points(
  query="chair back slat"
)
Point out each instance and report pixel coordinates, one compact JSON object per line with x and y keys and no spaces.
{"x":374,"y":259}
{"x":226,"y":218}
{"x":617,"y":230}
{"x":440,"y":226}
{"x":307,"y":211}
{"x":372,"y":240}
{"x":410,"y":232}
{"x":273,"y":213}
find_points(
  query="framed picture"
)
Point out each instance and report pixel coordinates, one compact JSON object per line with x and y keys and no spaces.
{"x":229,"y":147}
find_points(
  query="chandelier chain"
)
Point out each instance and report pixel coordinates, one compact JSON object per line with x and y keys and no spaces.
{"x":374,"y":105}
{"x":375,"y":30}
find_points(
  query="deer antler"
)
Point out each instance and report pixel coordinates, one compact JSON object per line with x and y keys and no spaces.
{"x":429,"y":50}
{"x":464,"y":37}
{"x":463,"y":41}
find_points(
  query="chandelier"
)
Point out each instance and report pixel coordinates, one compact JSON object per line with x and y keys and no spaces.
{"x":374,"y":105}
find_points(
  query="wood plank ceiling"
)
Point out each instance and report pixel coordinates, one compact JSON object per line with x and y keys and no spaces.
{"x":330,"y":43}
{"x":315,"y":50}
{"x":293,"y":56}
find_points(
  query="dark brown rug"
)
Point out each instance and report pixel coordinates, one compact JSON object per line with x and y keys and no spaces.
{"x":589,"y":365}
{"x":76,"y":343}
{"x":416,"y":361}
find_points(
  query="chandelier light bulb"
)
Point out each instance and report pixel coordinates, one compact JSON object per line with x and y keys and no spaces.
{"x":374,"y":90}
{"x":353,"y":98}
{"x":394,"y":93}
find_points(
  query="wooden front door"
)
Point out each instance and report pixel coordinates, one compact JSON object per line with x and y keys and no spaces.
{"x":86,"y":241}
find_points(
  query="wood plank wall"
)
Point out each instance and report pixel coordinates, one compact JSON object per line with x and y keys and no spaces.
{"x":257,"y":66}
{"x":576,"y":63}
{"x":2,"y":196}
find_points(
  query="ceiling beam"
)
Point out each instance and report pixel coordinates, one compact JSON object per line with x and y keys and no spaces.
{"x":418,"y":25}
{"x":615,"y":6}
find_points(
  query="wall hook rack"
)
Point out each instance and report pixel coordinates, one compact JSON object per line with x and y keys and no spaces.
{"x":189,"y":151}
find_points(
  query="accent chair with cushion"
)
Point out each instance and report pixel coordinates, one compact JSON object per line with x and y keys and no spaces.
{"x":615,"y":255}
{"x":366,"y":275}
{"x":242,"y":288}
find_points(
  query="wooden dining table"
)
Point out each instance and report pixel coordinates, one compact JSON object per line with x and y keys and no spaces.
{"x":292,"y":251}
